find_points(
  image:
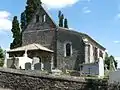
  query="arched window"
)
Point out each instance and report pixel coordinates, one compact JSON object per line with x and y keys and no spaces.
{"x":68,"y":49}
{"x":37,"y":18}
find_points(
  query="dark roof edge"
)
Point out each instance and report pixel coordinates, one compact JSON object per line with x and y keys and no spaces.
{"x":94,"y":41}
{"x":84,"y":36}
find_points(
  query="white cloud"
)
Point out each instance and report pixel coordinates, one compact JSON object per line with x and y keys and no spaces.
{"x":89,"y":0}
{"x":86,"y":10}
{"x":5,"y":23}
{"x":118,"y":16}
{"x":59,"y":3}
{"x":4,"y":14}
{"x":116,"y":42}
{"x":85,"y":0}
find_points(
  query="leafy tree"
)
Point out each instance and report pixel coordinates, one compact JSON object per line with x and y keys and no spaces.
{"x":31,"y":7}
{"x":109,"y":60}
{"x":23,"y":21}
{"x":59,"y":14}
{"x":26,"y":16}
{"x":1,"y":57}
{"x":113,"y":60}
{"x":61,"y":18}
{"x":65,"y":23}
{"x":116,"y":64}
{"x":17,"y":38}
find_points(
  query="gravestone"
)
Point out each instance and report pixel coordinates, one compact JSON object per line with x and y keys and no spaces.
{"x":27,"y":66}
{"x":37,"y":66}
{"x":34,"y":62}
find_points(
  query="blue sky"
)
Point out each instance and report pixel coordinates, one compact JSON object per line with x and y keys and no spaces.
{"x":98,"y":18}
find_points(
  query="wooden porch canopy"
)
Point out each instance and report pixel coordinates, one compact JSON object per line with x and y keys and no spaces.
{"x":30,"y":47}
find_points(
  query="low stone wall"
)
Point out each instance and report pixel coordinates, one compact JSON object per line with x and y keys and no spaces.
{"x":35,"y":80}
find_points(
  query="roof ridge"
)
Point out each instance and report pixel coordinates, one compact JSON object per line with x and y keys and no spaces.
{"x":83,"y":35}
{"x":36,"y":45}
{"x":48,"y":14}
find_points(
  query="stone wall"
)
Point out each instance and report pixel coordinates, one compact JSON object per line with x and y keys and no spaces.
{"x":46,"y":38}
{"x":40,"y":24}
{"x":36,"y":80}
{"x":43,"y":33}
{"x":78,"y":54}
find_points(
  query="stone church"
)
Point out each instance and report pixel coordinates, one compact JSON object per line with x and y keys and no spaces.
{"x":70,"y":48}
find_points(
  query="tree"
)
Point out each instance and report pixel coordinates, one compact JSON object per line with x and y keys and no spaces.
{"x":23,"y":21}
{"x":61,"y":18}
{"x":112,"y":59}
{"x":17,"y":37}
{"x":109,"y":61}
{"x":65,"y":23}
{"x":31,"y":7}
{"x":27,"y":14}
{"x":1,"y":57}
{"x":59,"y":14}
{"x":116,"y":64}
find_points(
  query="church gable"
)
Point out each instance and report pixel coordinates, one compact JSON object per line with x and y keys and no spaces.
{"x":41,"y":21}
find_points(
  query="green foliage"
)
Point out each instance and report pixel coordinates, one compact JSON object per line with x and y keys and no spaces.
{"x":59,"y":14}
{"x":23,"y":21}
{"x":115,"y":62}
{"x":61,"y":18}
{"x":109,"y":60}
{"x":65,"y":23}
{"x":1,"y":57}
{"x":32,"y":5}
{"x":17,"y":38}
{"x":26,"y":17}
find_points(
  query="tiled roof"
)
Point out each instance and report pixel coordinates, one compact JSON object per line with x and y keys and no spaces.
{"x":31,"y":47}
{"x":83,"y":35}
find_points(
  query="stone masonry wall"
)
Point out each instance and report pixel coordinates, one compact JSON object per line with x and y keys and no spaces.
{"x":70,"y":62}
{"x":31,"y":80}
{"x":36,"y":80}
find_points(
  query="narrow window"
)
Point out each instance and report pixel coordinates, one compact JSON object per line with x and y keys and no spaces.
{"x":37,"y":18}
{"x":43,"y":18}
{"x":95,"y":53}
{"x":89,"y":53}
{"x":68,"y":49}
{"x":101,"y":54}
